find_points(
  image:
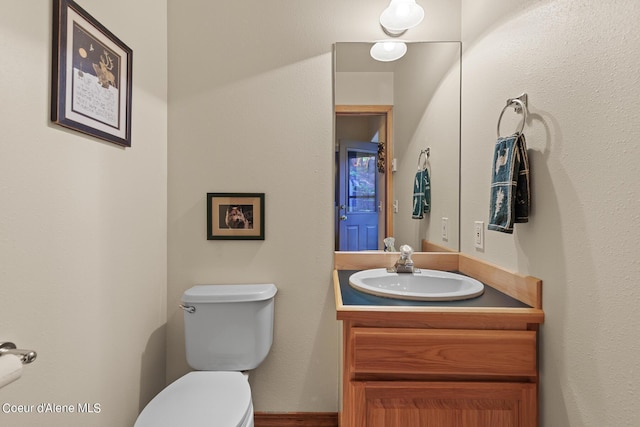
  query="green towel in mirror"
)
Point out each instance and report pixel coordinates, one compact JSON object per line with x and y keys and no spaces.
{"x":421,"y":194}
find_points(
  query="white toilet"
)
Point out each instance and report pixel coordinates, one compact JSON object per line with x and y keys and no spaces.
{"x":228,"y":330}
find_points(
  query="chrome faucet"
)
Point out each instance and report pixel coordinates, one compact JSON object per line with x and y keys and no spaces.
{"x":405,"y":263}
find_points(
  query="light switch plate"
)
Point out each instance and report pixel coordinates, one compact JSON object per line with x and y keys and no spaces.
{"x":478,"y":234}
{"x":445,"y":228}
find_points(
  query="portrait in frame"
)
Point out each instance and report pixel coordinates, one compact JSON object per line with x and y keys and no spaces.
{"x":235,"y":216}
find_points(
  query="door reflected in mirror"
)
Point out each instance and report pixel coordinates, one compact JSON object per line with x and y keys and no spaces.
{"x":362,"y":183}
{"x":386,"y":114}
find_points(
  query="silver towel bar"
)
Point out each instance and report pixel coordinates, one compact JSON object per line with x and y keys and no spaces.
{"x":26,"y":356}
{"x":521,"y":106}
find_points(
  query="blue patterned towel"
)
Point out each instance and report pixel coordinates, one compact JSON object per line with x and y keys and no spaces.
{"x":421,"y":194}
{"x":510,"y":191}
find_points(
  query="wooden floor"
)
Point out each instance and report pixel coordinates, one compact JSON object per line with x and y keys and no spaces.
{"x":296,"y":419}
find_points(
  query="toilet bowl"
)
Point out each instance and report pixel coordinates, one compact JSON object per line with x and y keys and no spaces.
{"x":228,"y":330}
{"x":199,"y":399}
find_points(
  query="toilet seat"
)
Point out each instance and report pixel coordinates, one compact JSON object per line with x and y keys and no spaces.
{"x":199,"y":399}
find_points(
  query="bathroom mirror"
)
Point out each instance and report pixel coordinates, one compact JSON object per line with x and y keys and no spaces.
{"x":392,"y":119}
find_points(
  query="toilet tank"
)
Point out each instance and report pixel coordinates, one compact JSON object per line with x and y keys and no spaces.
{"x":230,"y":327}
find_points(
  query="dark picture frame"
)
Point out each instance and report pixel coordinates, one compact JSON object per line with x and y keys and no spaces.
{"x":91,"y":76}
{"x":235,"y":216}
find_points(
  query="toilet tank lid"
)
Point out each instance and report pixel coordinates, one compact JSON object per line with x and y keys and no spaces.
{"x":229,"y":293}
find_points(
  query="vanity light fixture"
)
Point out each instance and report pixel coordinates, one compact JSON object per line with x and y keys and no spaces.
{"x":388,"y":50}
{"x":401,"y":15}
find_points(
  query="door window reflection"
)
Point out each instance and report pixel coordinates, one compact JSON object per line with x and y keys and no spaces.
{"x":361,"y":186}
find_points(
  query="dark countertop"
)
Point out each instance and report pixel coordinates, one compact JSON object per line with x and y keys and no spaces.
{"x":490,"y":298}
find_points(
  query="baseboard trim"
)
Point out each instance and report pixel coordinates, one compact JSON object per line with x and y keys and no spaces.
{"x":296,"y":419}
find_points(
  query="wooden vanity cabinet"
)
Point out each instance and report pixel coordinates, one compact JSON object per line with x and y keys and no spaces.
{"x":425,"y":372}
{"x":437,"y":366}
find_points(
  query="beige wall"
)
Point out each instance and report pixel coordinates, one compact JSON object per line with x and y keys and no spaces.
{"x":251,"y":110}
{"x":82,"y":227}
{"x":363,"y":88}
{"x":578,"y":61}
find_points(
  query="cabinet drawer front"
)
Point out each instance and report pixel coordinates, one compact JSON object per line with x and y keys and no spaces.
{"x":439,"y":352}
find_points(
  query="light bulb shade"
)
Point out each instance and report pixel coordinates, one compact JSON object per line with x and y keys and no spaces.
{"x":401,"y":15}
{"x":388,"y":51}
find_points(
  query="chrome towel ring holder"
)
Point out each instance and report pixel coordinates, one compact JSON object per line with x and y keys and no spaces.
{"x":424,"y":157}
{"x":521,"y":104}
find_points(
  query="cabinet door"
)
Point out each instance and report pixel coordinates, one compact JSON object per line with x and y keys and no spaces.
{"x":443,"y":404}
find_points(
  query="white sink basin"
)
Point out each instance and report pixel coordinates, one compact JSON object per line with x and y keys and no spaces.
{"x":423,"y":285}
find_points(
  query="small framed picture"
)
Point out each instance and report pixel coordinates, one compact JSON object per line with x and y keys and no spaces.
{"x":235,"y":216}
{"x":91,"y":76}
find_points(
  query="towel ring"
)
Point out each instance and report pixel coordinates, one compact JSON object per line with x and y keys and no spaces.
{"x":426,"y":154}
{"x":520,"y":105}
